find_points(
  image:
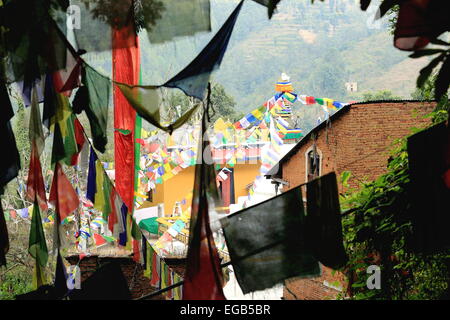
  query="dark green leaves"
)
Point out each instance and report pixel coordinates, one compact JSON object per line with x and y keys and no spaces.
{"x":442,"y":82}
{"x":426,"y":71}
{"x":443,"y":79}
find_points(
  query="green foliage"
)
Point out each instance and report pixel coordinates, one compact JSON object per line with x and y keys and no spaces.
{"x":378,"y":230}
{"x":379,"y":95}
{"x":222,"y":103}
{"x":441,"y":79}
{"x":16,"y":281}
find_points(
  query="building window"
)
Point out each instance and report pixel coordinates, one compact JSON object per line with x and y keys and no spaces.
{"x":313,"y":164}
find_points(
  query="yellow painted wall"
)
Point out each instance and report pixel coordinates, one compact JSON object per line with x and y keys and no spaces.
{"x":178,"y":187}
{"x":243,"y":175}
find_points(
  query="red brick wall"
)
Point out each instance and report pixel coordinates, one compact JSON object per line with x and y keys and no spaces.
{"x":358,"y":141}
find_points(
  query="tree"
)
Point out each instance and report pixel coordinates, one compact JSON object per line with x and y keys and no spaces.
{"x":223,"y":105}
{"x":379,"y":95}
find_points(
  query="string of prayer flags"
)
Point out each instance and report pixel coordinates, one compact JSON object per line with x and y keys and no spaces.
{"x":273,"y":254}
{"x":329,"y":103}
{"x":275,"y":141}
{"x":251,"y":119}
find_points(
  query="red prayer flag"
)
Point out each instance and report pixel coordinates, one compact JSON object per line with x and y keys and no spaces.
{"x":113,"y":218}
{"x":62,"y":195}
{"x":65,"y":80}
{"x":99,"y":240}
{"x":35,"y":182}
{"x":310,"y":100}
{"x":140,"y":141}
{"x":126,"y":64}
{"x":155,"y":275}
{"x":79,"y":139}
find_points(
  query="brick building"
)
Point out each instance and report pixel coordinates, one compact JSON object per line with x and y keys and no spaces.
{"x":357,"y":138}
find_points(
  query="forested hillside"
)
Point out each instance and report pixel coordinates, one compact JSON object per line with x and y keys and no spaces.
{"x":321,"y":46}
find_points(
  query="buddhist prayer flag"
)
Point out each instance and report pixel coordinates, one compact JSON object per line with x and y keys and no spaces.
{"x":156,"y":264}
{"x":37,"y":246}
{"x":263,"y":256}
{"x":64,"y":142}
{"x":146,"y":219}
{"x":35,"y":182}
{"x":62,"y":195}
{"x":92,"y":177}
{"x":291,"y":97}
{"x":79,"y":140}
{"x":99,"y":240}
{"x":203,"y":278}
{"x":97,"y":90}
{"x":310,"y":100}
{"x":194,"y":79}
{"x":323,"y":229}
{"x":115,"y":221}
{"x":100,"y":200}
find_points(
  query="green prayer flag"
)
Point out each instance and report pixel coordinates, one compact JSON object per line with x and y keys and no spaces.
{"x":99,"y":95}
{"x":150,"y":225}
{"x":146,"y":101}
{"x":107,"y":187}
{"x":37,"y":247}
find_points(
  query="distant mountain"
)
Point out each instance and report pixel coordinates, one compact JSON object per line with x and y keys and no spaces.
{"x":321,"y":46}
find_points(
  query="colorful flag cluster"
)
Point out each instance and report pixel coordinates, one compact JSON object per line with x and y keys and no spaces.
{"x":105,"y":199}
{"x":161,"y":275}
{"x":251,"y":119}
{"x":329,"y":103}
